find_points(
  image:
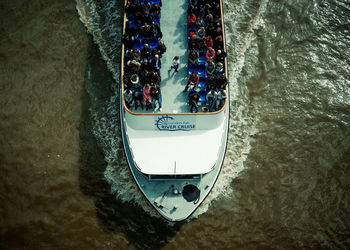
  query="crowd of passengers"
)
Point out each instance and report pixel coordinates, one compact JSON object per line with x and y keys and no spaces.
{"x":142,"y":64}
{"x":206,"y":45}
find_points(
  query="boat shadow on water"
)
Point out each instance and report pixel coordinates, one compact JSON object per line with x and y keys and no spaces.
{"x":113,"y":215}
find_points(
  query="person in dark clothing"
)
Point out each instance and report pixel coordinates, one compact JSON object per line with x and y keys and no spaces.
{"x":147,"y":18}
{"x":145,"y":65}
{"x":220,"y":56}
{"x":137,"y":99}
{"x":193,"y":57}
{"x":193,"y":101}
{"x":146,"y":52}
{"x":145,"y":77}
{"x":221,"y":82}
{"x":129,"y":30}
{"x":156,"y":96}
{"x":127,"y":42}
{"x":161,"y":47}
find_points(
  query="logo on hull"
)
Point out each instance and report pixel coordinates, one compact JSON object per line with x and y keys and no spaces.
{"x":169,"y":123}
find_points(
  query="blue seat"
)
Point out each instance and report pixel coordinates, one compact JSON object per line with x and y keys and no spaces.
{"x":190,"y":70}
{"x":156,"y":21}
{"x":192,"y":66}
{"x":144,"y":40}
{"x":201,"y":66}
{"x":154,"y":1}
{"x":202,"y":53}
{"x":132,"y":24}
{"x":202,"y":95}
{"x":191,"y":29}
{"x":137,"y":44}
{"x":201,"y":84}
{"x":130,"y":18}
{"x":201,"y":72}
{"x":153,"y":42}
{"x":202,"y":60}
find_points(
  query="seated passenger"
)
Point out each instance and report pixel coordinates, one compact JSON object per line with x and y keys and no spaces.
{"x":211,"y":83}
{"x":136,"y":55}
{"x":146,"y":6}
{"x":220,"y":56}
{"x":209,"y":19}
{"x":127,"y":42}
{"x":193,"y":101}
{"x":154,"y":78}
{"x":145,"y":52}
{"x":156,"y":30}
{"x":193,"y":57}
{"x":145,"y":65}
{"x":208,"y":41}
{"x":194,"y":43}
{"x":221,"y":82}
{"x":129,"y":30}
{"x":146,"y":31}
{"x":128,"y":98}
{"x":145,"y":77}
{"x":156,"y":96}
{"x":133,"y":67}
{"x":193,"y":80}
{"x":221,"y":98}
{"x":219,"y":69}
{"x":209,"y":68}
{"x":216,"y":11}
{"x":155,"y":9}
{"x":147,"y":18}
{"x":191,"y":20}
{"x":200,"y":22}
{"x":161,"y":48}
{"x":219,"y":42}
{"x":210,"y":53}
{"x":147,"y":98}
{"x":137,"y":99}
{"x":201,"y":32}
{"x":211,"y":100}
{"x":135,"y":82}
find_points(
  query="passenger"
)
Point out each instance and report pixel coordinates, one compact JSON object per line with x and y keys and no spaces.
{"x":129,"y":30}
{"x":201,"y":32}
{"x":155,"y":9}
{"x":220,"y":56}
{"x":209,"y":19}
{"x":133,"y":66}
{"x":209,"y":68}
{"x":192,"y":80}
{"x":145,"y":77}
{"x":146,"y":6}
{"x":128,"y":98}
{"x":156,"y":96}
{"x":127,"y":42}
{"x":205,"y":109}
{"x":211,"y":100}
{"x":211,"y":83}
{"x":193,"y":101}
{"x":156,"y":30}
{"x":191,"y":20}
{"x":208,"y":41}
{"x":145,"y":65}
{"x":219,"y":69}
{"x":175,"y":64}
{"x":221,"y":98}
{"x":126,"y":81}
{"x":161,"y":48}
{"x":216,"y":11}
{"x":193,"y":57}
{"x":147,"y":18}
{"x":147,"y":98}
{"x":210,"y":53}
{"x":146,"y":31}
{"x":200,"y":22}
{"x":193,"y":43}
{"x":221,"y":82}
{"x":145,"y":52}
{"x":154,"y":78}
{"x":137,"y":99}
{"x":156,"y":64}
{"x":136,"y":55}
{"x":219,"y":42}
{"x":135,"y":82}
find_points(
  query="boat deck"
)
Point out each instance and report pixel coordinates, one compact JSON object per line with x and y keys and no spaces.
{"x":173,"y":24}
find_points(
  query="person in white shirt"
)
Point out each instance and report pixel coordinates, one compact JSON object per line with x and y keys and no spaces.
{"x":175,"y":64}
{"x":221,"y":98}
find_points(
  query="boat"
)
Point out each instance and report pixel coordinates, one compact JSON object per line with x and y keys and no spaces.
{"x":174,"y":155}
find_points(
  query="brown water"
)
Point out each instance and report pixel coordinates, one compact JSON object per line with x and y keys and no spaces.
{"x":64,"y":183}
